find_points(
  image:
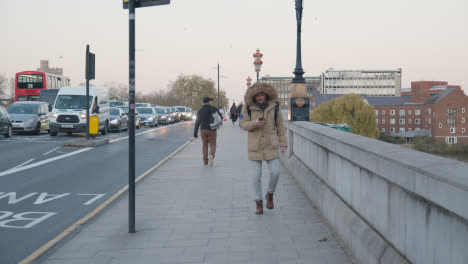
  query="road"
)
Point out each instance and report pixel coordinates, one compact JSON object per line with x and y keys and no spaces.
{"x":45,"y":188}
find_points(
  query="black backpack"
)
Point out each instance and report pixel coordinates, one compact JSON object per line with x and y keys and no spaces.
{"x":276,"y":112}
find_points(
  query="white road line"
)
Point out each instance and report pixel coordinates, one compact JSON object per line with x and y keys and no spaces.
{"x":142,"y":133}
{"x":50,"y":151}
{"x":31,"y":141}
{"x":13,"y":170}
{"x":22,"y":164}
{"x":39,"y":163}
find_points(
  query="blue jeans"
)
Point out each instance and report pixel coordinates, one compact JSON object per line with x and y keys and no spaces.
{"x":255,"y":167}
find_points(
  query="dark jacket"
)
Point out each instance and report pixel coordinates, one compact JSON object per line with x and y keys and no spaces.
{"x":239,"y":109}
{"x":204,"y":118}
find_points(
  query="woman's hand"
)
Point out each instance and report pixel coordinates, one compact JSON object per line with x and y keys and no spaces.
{"x":283,"y":149}
{"x":260,"y":123}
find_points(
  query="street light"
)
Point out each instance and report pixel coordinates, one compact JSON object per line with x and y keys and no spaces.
{"x":249,"y":82}
{"x":299,"y":72}
{"x":258,"y":61}
{"x":300,"y":103}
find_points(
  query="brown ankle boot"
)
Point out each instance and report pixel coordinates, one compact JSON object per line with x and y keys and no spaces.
{"x":269,"y":200}
{"x":259,"y":207}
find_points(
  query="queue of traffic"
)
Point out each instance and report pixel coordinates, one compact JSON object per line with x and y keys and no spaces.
{"x":66,"y":113}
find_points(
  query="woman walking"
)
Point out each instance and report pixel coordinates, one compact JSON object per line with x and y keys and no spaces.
{"x":266,"y":134}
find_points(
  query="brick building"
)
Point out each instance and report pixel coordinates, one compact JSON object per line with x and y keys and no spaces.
{"x":428,"y":88}
{"x":443,"y":114}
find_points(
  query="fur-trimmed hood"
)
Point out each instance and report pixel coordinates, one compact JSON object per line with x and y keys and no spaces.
{"x":269,"y":90}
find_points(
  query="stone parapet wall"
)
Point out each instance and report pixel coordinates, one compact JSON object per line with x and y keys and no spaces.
{"x":386,"y":203}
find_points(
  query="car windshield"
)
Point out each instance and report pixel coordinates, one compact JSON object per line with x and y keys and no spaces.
{"x":181,"y":109}
{"x":72,"y":102}
{"x":125,"y":109}
{"x":145,"y":110}
{"x":141,"y":105}
{"x":169,"y":110}
{"x":114,"y":112}
{"x":114,"y":104}
{"x":160,"y":111}
{"x":22,"y":109}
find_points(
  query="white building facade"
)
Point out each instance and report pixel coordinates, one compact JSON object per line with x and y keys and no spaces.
{"x":373,"y":83}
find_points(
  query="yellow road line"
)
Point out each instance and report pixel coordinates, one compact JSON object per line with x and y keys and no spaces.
{"x":83,"y":220}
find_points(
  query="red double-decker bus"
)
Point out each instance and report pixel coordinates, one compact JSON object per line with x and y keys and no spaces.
{"x":29,"y":84}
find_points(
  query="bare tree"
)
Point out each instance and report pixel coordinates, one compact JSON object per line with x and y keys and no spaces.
{"x":4,"y":86}
{"x":117,"y":91}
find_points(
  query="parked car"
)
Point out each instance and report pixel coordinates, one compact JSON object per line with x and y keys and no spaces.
{"x":183,"y":111}
{"x":164,"y":117}
{"x":142,"y":105}
{"x":118,"y":103}
{"x":176,"y":114}
{"x":170,"y":115}
{"x":194,"y":115}
{"x":148,"y":116}
{"x":6,"y":128}
{"x":29,"y":116}
{"x":189,"y":115}
{"x":137,"y":115}
{"x":118,"y":119}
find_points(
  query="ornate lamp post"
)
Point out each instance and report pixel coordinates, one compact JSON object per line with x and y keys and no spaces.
{"x":249,"y":82}
{"x":258,"y":61}
{"x":299,"y":106}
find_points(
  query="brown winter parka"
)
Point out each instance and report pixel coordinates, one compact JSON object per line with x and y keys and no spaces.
{"x":263,"y":142}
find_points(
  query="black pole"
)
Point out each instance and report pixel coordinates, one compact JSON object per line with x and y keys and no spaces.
{"x":87,"y":92}
{"x":257,"y":76}
{"x":218,"y":85}
{"x":131,"y":112}
{"x":298,"y":72}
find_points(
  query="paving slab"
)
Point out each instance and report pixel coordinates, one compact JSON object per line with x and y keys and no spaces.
{"x":187,"y":212}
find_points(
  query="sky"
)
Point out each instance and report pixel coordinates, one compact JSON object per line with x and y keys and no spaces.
{"x":427,"y":39}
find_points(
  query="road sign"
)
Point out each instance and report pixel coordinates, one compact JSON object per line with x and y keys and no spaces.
{"x":145,"y":3}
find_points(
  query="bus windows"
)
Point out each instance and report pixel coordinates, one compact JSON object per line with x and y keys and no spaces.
{"x":30,"y":81}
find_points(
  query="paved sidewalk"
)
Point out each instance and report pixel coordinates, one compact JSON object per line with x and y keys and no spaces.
{"x":190,"y":213}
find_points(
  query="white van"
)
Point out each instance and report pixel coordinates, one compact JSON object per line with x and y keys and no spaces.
{"x":69,"y":111}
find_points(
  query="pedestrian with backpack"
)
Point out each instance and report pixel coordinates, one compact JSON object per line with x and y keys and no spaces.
{"x":209,"y":119}
{"x":266,"y":136}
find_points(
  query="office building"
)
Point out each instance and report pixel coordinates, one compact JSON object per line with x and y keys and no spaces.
{"x":283,"y":86}
{"x":369,"y":82}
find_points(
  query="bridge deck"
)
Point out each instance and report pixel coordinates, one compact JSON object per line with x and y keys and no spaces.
{"x":190,"y":213}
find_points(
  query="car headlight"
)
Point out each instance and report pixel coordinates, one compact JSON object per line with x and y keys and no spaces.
{"x":29,"y":122}
{"x":114,"y":121}
{"x":83,"y":116}
{"x":150,"y":119}
{"x":55,"y":115}
{"x":163,"y":117}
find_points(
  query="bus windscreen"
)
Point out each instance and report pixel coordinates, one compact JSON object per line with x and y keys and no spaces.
{"x":30,"y":81}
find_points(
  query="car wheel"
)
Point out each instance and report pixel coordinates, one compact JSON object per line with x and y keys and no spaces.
{"x":53,"y":134}
{"x":38,"y":129}
{"x":9,"y":132}
{"x":104,"y":131}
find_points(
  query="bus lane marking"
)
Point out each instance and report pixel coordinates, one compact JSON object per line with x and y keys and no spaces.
{"x":52,"y":150}
{"x":22,"y":164}
{"x":13,"y":170}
